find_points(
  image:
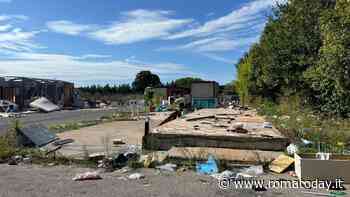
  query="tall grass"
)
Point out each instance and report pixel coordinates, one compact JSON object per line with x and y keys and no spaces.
{"x":297,"y":122}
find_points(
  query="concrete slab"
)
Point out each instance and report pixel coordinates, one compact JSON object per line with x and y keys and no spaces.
{"x":212,"y":128}
{"x":223,"y":154}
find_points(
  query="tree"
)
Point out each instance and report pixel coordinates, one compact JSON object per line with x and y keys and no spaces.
{"x":242,"y":82}
{"x":230,"y":88}
{"x":330,"y":78}
{"x":145,"y":79}
{"x":186,"y":82}
{"x":303,"y":52}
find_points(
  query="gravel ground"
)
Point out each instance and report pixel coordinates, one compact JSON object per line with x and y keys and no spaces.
{"x":38,"y":181}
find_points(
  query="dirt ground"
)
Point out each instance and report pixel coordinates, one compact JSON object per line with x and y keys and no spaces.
{"x":38,"y":181}
{"x":92,"y":138}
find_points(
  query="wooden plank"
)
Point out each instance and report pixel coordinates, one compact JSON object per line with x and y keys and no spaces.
{"x":280,"y":164}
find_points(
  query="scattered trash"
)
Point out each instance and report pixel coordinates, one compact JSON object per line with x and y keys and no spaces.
{"x":118,"y":142}
{"x":159,"y":156}
{"x":237,"y":127}
{"x":123,"y":170}
{"x":224,"y":175}
{"x":122,"y":178}
{"x":51,"y":164}
{"x":254,"y":170}
{"x":97,"y":156}
{"x":154,"y":158}
{"x":120,"y":161}
{"x":168,"y":167}
{"x":12,"y":162}
{"x":244,"y":175}
{"x":281,"y":163}
{"x":44,"y":104}
{"x":27,"y":160}
{"x":146,"y":160}
{"x":267,"y":125}
{"x":337,"y":193}
{"x":306,"y":142}
{"x":204,"y":182}
{"x":292,"y":149}
{"x":136,"y":176}
{"x":8,"y":106}
{"x":87,"y":176}
{"x":292,"y":173}
{"x":250,"y":172}
{"x":182,"y":169}
{"x":210,"y":167}
{"x":63,"y":142}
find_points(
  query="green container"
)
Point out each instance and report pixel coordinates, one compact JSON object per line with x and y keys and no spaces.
{"x":199,"y":103}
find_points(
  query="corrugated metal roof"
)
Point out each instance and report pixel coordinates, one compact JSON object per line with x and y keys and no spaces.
{"x":38,"y":134}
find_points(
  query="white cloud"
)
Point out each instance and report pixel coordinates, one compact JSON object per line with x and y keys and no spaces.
{"x":139,"y":25}
{"x":5,"y":27}
{"x":210,"y":14}
{"x":68,"y":27}
{"x":13,"y":38}
{"x":74,"y":68}
{"x":219,"y":58}
{"x":235,"y":31}
{"x":18,"y":40}
{"x":94,"y":56}
{"x":237,"y":19}
{"x":216,"y":44}
{"x":13,"y":17}
{"x":133,"y":26}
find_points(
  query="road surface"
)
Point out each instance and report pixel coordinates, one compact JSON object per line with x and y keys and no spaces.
{"x":58,"y":117}
{"x":27,"y":180}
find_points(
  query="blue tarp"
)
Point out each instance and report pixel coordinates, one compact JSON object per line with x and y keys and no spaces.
{"x":210,"y":167}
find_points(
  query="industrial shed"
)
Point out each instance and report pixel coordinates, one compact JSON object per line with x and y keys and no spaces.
{"x":205,"y":94}
{"x":23,"y":91}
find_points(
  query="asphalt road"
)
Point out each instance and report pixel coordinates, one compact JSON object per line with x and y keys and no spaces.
{"x":58,"y":117}
{"x":27,"y":180}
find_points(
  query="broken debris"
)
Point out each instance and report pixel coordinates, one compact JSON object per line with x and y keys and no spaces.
{"x":224,"y":175}
{"x":36,"y":135}
{"x":167,"y":167}
{"x":210,"y":167}
{"x":281,"y":163}
{"x":118,"y":142}
{"x":87,"y":176}
{"x":252,"y":171}
{"x":136,"y":176}
{"x":44,"y":104}
{"x":292,"y":149}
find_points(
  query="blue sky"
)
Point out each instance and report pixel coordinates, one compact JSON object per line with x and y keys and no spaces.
{"x":109,"y":41}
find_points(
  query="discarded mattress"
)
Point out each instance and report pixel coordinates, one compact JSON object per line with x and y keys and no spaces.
{"x":44,"y":104}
